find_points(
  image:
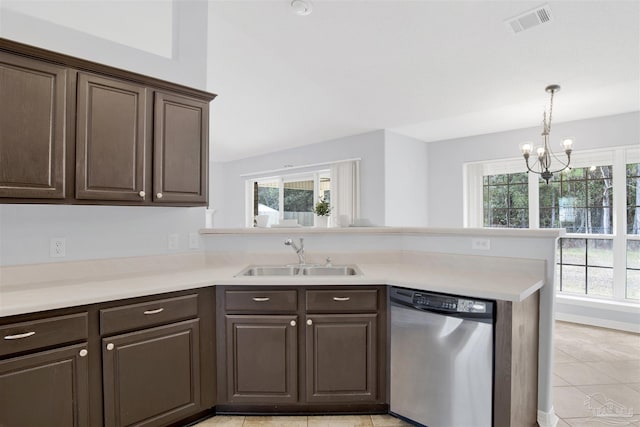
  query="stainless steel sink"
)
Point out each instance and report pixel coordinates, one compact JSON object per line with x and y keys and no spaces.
{"x":294,"y":270}
{"x":336,"y":270}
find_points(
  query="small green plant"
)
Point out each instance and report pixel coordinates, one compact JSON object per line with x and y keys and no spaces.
{"x":322,"y":208}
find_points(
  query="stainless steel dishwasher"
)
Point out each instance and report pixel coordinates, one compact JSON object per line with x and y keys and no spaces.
{"x":441,"y":358}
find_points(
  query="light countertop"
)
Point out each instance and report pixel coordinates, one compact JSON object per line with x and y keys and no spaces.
{"x":510,"y":279}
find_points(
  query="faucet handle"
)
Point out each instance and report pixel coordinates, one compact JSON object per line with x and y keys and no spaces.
{"x":328,"y":264}
{"x":288,"y":242}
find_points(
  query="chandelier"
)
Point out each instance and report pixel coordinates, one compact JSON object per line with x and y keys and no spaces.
{"x":544,"y":153}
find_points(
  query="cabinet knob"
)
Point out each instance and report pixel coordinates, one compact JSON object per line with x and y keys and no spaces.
{"x":110,"y":346}
{"x":83,"y":352}
{"x":292,"y":323}
{"x":142,"y":194}
{"x":309,"y":322}
{"x":159,"y":195}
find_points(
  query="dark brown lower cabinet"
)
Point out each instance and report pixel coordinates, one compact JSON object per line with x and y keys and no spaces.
{"x":152,"y":377}
{"x":48,"y":388}
{"x":341,"y":353}
{"x":262,"y":358}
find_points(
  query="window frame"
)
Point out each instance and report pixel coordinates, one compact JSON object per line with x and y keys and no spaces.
{"x":315,"y":176}
{"x":617,"y":158}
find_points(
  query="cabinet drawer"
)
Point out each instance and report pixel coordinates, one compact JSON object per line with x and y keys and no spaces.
{"x":32,"y":335}
{"x":342,"y":301}
{"x":151,"y":313}
{"x":259,"y":301}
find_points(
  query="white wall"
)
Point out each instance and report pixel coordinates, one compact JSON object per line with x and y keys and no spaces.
{"x":227,"y":190}
{"x":104,"y":231}
{"x":405,"y":178}
{"x":188,"y":64}
{"x":446,"y":158}
{"x":93,"y":232}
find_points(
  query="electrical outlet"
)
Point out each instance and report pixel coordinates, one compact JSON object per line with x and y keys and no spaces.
{"x":194,"y":241}
{"x":481,"y":244}
{"x":172,"y":242}
{"x":57,"y":247}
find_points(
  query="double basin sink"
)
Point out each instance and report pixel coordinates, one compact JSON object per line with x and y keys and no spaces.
{"x":297,"y":270}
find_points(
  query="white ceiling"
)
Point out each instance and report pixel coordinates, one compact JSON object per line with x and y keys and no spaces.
{"x":432,"y":70}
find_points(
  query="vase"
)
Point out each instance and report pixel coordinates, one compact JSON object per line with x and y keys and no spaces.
{"x":322,"y":221}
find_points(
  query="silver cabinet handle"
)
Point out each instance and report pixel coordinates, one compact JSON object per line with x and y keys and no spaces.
{"x":20,"y":336}
{"x":260,"y":299}
{"x":142,"y":194}
{"x":156,"y":311}
{"x":309,"y":322}
{"x":159,"y":195}
{"x":341,"y":298}
{"x":83,"y":352}
{"x":292,"y":323}
{"x":110,"y":346}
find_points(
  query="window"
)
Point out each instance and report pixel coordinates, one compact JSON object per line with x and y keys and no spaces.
{"x":632,"y":290}
{"x":633,"y":198}
{"x":505,"y":200}
{"x":586,"y":267}
{"x":579,"y":200}
{"x":289,"y":197}
{"x":597,"y":202}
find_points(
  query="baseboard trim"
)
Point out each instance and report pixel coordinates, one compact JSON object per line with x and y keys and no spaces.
{"x":547,"y":419}
{"x":596,"y":321}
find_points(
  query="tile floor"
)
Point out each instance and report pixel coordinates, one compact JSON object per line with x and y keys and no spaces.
{"x":593,"y":366}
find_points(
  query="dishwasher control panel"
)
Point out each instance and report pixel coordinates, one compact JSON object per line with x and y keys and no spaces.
{"x":451,"y":304}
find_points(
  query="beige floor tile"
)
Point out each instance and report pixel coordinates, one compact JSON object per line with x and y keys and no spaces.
{"x":621,"y":371}
{"x":562,"y":423}
{"x":616,"y":351}
{"x":599,"y":422}
{"x":620,"y":395}
{"x":584,"y":351}
{"x":569,"y":403}
{"x":222,"y":421}
{"x":387,"y":421}
{"x":340,"y":421}
{"x":583,"y":373}
{"x":635,"y":386}
{"x":558,"y":382}
{"x":563,"y":357}
{"x":276,"y":421}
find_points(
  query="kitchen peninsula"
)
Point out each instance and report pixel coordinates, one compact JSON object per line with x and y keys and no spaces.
{"x":514,"y":271}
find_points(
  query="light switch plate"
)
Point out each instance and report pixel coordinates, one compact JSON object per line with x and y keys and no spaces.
{"x":481,"y":244}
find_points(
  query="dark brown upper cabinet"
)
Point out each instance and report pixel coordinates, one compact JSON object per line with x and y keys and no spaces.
{"x":111,"y":139}
{"x":32,"y":128}
{"x":125,"y":138}
{"x":180,"y":149}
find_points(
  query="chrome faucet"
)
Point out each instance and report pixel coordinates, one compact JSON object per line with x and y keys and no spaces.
{"x":299,"y":249}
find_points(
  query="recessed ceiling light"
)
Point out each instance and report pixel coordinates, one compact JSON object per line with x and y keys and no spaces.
{"x":301,"y":7}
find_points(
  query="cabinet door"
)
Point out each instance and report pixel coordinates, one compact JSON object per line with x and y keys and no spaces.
{"x":32,"y":128}
{"x":49,"y":388}
{"x":180,"y":145}
{"x":341,"y":354}
{"x":152,"y":377}
{"x":262,"y":353}
{"x":110,"y":139}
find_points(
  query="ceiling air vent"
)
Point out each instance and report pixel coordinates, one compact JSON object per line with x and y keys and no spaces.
{"x":529,"y":19}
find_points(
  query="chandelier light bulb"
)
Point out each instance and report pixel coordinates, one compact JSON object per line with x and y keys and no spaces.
{"x":526,"y":148}
{"x":540,"y":151}
{"x":567,"y":143}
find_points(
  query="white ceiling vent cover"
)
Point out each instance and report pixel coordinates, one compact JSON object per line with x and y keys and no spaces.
{"x":529,"y":19}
